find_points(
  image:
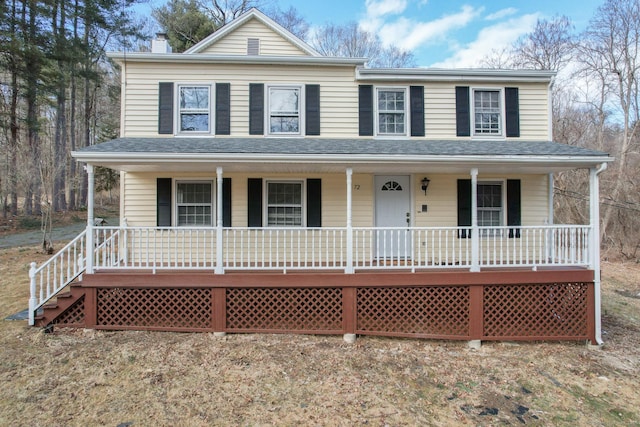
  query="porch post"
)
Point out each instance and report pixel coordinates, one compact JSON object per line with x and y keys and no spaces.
{"x":594,"y":242}
{"x":90,"y":220}
{"x":475,"y":233}
{"x":349,"y":267}
{"x":550,"y":213}
{"x":219,"y":257}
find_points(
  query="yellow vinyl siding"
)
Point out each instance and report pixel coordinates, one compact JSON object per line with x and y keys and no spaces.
{"x":139,"y":198}
{"x":534,"y":112}
{"x":442,"y":201}
{"x":338,"y":93}
{"x":440,"y":111}
{"x":338,"y":97}
{"x":271,"y":43}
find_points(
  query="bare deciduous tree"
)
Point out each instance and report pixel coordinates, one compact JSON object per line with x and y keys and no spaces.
{"x":351,"y":41}
{"x":611,"y":45}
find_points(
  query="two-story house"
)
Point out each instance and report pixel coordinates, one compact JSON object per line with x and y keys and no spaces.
{"x":267,"y":188}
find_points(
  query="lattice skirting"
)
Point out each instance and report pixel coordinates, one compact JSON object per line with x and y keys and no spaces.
{"x":72,"y":316}
{"x":487,"y":312}
{"x":317,"y":310}
{"x":156,"y":308}
{"x":553,"y":310}
{"x":441,"y":311}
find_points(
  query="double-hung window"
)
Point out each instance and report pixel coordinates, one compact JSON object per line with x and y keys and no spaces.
{"x":487,"y":112}
{"x":490,"y":205}
{"x":284,"y":110}
{"x":392,"y":111}
{"x":194,"y":203}
{"x":194,"y":108}
{"x":284,"y":203}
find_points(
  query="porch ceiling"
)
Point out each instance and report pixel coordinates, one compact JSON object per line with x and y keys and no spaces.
{"x":305,"y":155}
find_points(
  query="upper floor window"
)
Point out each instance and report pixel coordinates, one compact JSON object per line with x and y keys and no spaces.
{"x":194,"y":108}
{"x":487,"y":112}
{"x":392,"y":111}
{"x":284,"y":106}
{"x":194,"y":203}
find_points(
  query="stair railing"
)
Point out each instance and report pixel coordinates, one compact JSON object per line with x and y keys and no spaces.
{"x":56,"y":273}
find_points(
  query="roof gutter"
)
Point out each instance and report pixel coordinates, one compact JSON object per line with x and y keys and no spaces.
{"x":457,"y":75}
{"x":128,"y":157}
{"x":234,"y":59}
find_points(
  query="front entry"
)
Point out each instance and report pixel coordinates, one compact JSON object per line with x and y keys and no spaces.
{"x":393,"y":203}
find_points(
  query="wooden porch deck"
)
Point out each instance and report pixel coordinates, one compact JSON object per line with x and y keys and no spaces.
{"x":493,"y":304}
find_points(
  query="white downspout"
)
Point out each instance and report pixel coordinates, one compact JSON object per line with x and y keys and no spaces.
{"x":594,"y":212}
{"x":123,"y":96}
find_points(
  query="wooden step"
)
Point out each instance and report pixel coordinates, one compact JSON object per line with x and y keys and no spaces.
{"x":54,"y":310}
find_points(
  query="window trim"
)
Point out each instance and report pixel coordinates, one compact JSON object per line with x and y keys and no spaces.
{"x":177,"y":116}
{"x":174,"y":200}
{"x":301,"y":110}
{"x":376,"y":111}
{"x":472,"y":109}
{"x":303,"y":201}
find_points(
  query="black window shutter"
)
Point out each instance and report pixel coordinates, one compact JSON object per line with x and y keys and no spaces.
{"x":223,"y":109}
{"x":417,"y":110}
{"x":365,"y":110}
{"x":464,"y":206}
{"x":512,"y":111}
{"x":254,"y":202}
{"x":314,"y":203}
{"x":312,"y":106}
{"x":256,"y":109}
{"x":513,"y":207}
{"x":163,"y":202}
{"x":226,"y":202}
{"x":463,"y":115}
{"x":165,"y":108}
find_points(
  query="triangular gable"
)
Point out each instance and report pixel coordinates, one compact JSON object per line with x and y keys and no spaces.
{"x":232,"y":38}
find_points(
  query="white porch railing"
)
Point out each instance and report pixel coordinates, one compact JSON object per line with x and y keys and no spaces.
{"x":283,"y":249}
{"x":556,"y":245}
{"x":56,"y":273}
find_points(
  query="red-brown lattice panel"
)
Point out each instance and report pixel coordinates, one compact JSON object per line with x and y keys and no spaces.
{"x":159,"y":308}
{"x":549,"y":310}
{"x":425,"y":311}
{"x":315,"y":310}
{"x":73,"y":316}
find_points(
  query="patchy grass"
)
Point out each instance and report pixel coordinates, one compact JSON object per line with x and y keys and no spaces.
{"x":84,"y":377}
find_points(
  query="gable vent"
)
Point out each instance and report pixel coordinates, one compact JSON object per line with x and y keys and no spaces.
{"x":253,"y":46}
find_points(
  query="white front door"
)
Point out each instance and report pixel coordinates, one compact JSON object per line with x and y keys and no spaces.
{"x":393,"y":202}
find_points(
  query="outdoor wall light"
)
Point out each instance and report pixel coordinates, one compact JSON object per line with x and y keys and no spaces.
{"x":425,"y":184}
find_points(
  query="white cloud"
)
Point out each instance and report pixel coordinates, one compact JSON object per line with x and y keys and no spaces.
{"x":494,"y":37}
{"x":503,"y":13}
{"x":408,"y":34}
{"x":378,"y":8}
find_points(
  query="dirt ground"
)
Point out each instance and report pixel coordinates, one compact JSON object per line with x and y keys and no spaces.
{"x":85,"y":377}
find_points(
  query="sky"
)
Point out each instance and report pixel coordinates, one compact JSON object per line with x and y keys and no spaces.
{"x":440,"y":33}
{"x":445,"y":33}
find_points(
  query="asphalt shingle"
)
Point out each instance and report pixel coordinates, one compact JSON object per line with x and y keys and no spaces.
{"x":318,"y":146}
